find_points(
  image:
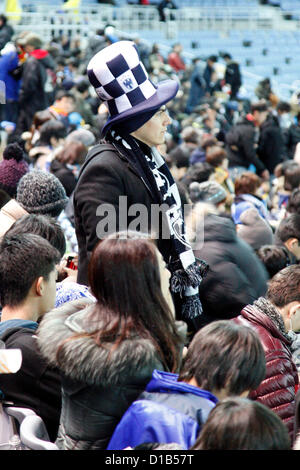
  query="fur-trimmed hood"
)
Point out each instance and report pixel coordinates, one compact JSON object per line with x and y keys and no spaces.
{"x":82,"y":359}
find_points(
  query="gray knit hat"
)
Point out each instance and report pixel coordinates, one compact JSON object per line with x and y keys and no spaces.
{"x":84,"y":136}
{"x":208,"y":191}
{"x":40,"y":192}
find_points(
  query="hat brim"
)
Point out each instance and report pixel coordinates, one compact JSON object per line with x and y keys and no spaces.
{"x":166,"y":91}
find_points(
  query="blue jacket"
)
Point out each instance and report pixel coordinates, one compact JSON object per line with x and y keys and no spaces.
{"x":168,"y":411}
{"x":9,"y":62}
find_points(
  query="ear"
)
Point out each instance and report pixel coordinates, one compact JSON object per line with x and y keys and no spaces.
{"x":294,"y":306}
{"x":290,"y":243}
{"x":40,"y":286}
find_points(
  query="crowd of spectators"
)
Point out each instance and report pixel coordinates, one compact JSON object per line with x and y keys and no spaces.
{"x":108,"y":357}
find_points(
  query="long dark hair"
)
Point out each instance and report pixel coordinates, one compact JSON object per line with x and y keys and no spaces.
{"x":124,"y":277}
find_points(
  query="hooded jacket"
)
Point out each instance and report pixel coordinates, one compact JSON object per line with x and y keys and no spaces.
{"x":98,"y":385}
{"x":277,"y":390}
{"x":36,"y":385}
{"x":235,"y":277}
{"x":168,"y":411}
{"x":254,"y":230}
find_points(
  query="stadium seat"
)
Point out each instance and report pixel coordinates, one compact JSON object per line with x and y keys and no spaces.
{"x":34,"y":435}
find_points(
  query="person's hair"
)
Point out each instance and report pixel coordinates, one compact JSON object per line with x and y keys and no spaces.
{"x":82,"y":86}
{"x":259,"y":106}
{"x":180,"y":156}
{"x":274,"y":258}
{"x":208,"y":142}
{"x":289,"y":227}
{"x":292,"y":177}
{"x":72,"y":152}
{"x":246,"y":183}
{"x":242,"y":424}
{"x":198,"y":172}
{"x":42,"y":225}
{"x":283,"y":106}
{"x":3,"y":18}
{"x":227,"y":56}
{"x":215,"y":156}
{"x":40,"y":117}
{"x":190,"y":134}
{"x":63,"y":94}
{"x":158,"y":446}
{"x":213,"y":58}
{"x":23,"y":259}
{"x":284,"y":287}
{"x":13,"y":151}
{"x":51,"y":128}
{"x":225,"y":355}
{"x":124,"y":277}
{"x":293,"y":205}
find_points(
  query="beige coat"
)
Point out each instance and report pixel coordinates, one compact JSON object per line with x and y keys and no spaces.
{"x":9,"y":214}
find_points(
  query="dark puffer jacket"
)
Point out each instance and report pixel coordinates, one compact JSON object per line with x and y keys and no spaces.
{"x":98,"y":385}
{"x":240,"y":145}
{"x":292,"y":138}
{"x":236,"y":276}
{"x":270,"y":148}
{"x":277,"y":390}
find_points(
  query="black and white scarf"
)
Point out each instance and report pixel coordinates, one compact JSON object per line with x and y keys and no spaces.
{"x":186,"y":271}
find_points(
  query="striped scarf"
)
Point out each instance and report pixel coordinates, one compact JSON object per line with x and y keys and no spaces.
{"x":186,"y":272}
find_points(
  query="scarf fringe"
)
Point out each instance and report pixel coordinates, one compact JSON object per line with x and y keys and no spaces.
{"x":189,"y":277}
{"x":191,"y":307}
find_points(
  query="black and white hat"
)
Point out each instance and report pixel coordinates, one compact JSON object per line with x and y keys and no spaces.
{"x":121,"y":81}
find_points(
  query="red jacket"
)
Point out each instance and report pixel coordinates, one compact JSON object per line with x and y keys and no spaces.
{"x":175,"y":61}
{"x":277,"y":390}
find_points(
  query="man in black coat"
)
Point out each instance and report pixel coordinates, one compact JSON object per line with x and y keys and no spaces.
{"x":232,"y":75}
{"x":256,"y":139}
{"x":270,"y":148}
{"x":32,"y":96}
{"x":241,"y":147}
{"x":125,"y":183}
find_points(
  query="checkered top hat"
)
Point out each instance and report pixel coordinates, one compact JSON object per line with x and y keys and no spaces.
{"x":121,"y":81}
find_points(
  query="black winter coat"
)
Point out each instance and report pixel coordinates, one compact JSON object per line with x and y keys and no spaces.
{"x":292,"y":138}
{"x":236,"y":276}
{"x":104,"y":177}
{"x":98,"y":385}
{"x":6,"y":32}
{"x":32,"y":96}
{"x":36,"y":385}
{"x":270,"y":148}
{"x":65,"y":176}
{"x":240,"y":146}
{"x":233,"y":77}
